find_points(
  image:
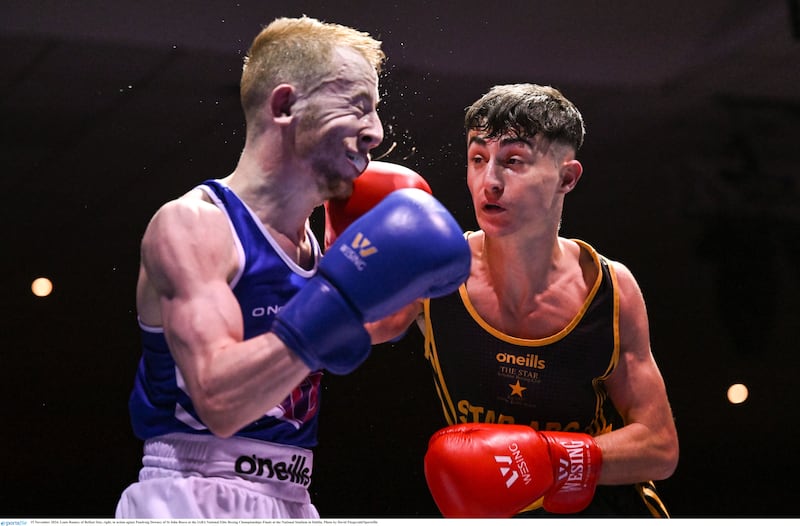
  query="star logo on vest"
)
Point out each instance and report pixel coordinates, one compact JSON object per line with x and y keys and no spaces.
{"x":517,"y":389}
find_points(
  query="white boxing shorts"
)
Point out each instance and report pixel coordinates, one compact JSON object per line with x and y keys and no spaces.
{"x":187,"y":476}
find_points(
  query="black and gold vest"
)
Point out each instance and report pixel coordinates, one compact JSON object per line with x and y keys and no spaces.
{"x":551,"y":384}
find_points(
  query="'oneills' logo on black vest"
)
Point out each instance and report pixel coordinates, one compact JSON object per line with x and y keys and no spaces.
{"x":359,"y":249}
{"x":531,"y":361}
{"x":294,"y":471}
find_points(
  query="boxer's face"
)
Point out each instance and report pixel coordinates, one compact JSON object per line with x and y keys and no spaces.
{"x":340,"y":124}
{"x":514,"y":182}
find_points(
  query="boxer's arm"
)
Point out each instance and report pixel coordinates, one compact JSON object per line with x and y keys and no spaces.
{"x":188,"y":256}
{"x":646,"y":448}
{"x":378,"y":181}
{"x":395,"y":325}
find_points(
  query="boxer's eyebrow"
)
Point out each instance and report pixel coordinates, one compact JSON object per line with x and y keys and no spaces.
{"x":505,"y":141}
{"x":517,"y":139}
{"x":477,"y":139}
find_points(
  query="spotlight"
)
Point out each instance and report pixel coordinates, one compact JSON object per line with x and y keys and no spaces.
{"x":737,"y":393}
{"x":42,"y":287}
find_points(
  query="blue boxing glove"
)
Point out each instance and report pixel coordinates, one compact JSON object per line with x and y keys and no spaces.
{"x":407,"y":247}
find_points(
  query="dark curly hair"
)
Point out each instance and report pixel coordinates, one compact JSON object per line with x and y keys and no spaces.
{"x":527,"y":110}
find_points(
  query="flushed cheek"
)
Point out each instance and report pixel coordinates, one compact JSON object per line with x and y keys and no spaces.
{"x":473,"y":184}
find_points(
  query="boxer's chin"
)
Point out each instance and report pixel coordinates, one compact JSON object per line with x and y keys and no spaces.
{"x":336,"y":188}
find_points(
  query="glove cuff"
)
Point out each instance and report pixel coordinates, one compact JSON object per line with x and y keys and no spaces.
{"x":577,"y":461}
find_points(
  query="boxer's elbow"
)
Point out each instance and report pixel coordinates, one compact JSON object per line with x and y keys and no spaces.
{"x":217,"y":412}
{"x":218,"y":420}
{"x":667,"y":456}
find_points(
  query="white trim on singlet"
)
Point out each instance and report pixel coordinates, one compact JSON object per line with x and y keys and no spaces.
{"x":297,"y":269}
{"x":149,"y":328}
{"x":239,"y":248}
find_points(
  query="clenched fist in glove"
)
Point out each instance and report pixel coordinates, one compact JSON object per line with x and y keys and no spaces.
{"x":407,"y":247}
{"x":497,"y":470}
{"x":378,"y":180}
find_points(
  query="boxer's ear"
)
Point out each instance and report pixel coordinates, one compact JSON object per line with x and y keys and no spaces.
{"x":570,"y":174}
{"x":281,"y":103}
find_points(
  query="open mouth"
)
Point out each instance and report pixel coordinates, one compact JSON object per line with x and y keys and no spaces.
{"x":358,"y":161}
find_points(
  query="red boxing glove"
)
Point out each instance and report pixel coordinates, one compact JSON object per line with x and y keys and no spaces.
{"x":376,"y":182}
{"x":497,"y":470}
{"x":576,"y":463}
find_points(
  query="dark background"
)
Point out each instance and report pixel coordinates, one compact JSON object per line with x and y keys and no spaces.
{"x":109,"y":109}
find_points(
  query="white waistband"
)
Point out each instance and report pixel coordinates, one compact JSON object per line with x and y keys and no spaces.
{"x":282,"y":470}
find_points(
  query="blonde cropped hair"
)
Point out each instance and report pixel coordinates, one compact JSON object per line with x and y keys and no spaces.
{"x":298,"y":51}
